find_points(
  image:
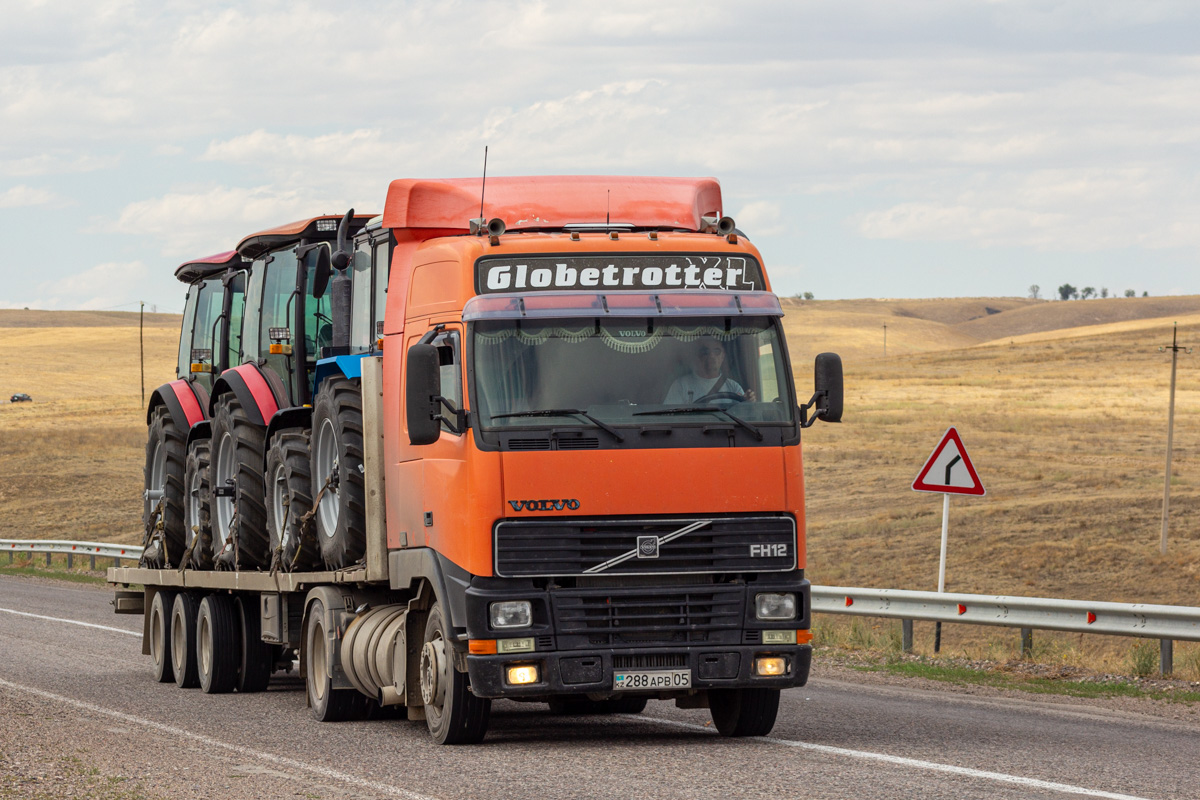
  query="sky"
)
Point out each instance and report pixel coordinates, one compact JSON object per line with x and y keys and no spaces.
{"x":869,"y":148}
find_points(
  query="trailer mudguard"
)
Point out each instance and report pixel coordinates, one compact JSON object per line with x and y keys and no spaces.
{"x":198,"y":432}
{"x":408,"y":567}
{"x":297,"y":417}
{"x":185,"y":401}
{"x":344,"y":366}
{"x":254,"y":391}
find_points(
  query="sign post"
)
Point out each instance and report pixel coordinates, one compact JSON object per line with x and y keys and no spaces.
{"x":948,"y":470}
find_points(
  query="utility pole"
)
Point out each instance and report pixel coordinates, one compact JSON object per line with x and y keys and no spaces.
{"x":142,"y":349}
{"x":1175,"y":348}
{"x":885,"y":342}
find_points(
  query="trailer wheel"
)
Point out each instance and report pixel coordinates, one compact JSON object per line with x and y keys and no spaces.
{"x":289,"y":498}
{"x":163,"y":475}
{"x":327,"y":704}
{"x":454,"y":715}
{"x":237,"y":458}
{"x":183,"y":640}
{"x":217,"y":644}
{"x":744,"y":712}
{"x":337,"y":472}
{"x":197,"y":500}
{"x":256,"y":658}
{"x":160,"y":635}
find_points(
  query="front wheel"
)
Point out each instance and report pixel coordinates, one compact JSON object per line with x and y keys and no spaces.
{"x":236,"y":480}
{"x":289,"y":501}
{"x":198,"y":537}
{"x":744,"y":712}
{"x":454,"y":715}
{"x":164,"y":488}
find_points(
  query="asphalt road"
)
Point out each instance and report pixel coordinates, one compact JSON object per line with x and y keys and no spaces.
{"x":73,"y":682}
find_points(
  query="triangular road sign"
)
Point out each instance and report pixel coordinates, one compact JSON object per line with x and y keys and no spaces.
{"x":949,"y":469}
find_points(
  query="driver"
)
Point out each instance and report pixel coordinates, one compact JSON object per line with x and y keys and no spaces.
{"x":706,"y":377}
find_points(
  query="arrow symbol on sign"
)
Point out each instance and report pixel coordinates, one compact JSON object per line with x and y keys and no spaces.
{"x":950,"y":466}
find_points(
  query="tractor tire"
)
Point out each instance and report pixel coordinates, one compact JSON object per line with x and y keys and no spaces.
{"x":326,"y":703}
{"x":197,"y":502}
{"x":163,"y":472}
{"x":744,"y":712}
{"x":337,"y":468}
{"x":160,"y":635}
{"x":454,"y":715}
{"x":294,"y":544}
{"x":256,"y":658}
{"x":239,"y":523}
{"x":217,"y":643}
{"x":184,"y":612}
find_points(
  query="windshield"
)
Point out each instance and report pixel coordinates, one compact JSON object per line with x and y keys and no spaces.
{"x":634,"y":371}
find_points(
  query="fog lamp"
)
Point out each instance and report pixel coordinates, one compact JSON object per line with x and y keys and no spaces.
{"x":511,"y":614}
{"x":770,"y":666}
{"x":775,"y":606}
{"x":518,"y":676}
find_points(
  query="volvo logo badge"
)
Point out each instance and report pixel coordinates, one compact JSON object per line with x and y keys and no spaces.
{"x":647,"y":547}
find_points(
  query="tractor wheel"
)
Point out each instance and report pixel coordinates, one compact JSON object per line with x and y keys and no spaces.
{"x":337,"y":472}
{"x":163,"y":481}
{"x":744,"y":712}
{"x":183,"y":640}
{"x":160,"y":635}
{"x":454,"y":715}
{"x":198,"y":536}
{"x":239,"y":517}
{"x":326,"y":703}
{"x":217,"y":644}
{"x":289,"y":498}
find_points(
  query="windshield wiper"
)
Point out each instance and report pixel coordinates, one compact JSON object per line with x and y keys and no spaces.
{"x":696,"y":409}
{"x":565,"y":412}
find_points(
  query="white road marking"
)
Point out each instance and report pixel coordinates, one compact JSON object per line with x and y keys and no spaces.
{"x":915,"y":763}
{"x":240,"y":750}
{"x":71,"y":622}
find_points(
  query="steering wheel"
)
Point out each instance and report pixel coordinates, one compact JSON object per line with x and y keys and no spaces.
{"x":721,"y":396}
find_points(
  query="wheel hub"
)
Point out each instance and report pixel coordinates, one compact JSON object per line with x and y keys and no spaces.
{"x":433,"y":662}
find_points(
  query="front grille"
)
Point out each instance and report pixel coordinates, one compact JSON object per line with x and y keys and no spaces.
{"x":651,"y":616}
{"x":566,"y":546}
{"x":650,"y":661}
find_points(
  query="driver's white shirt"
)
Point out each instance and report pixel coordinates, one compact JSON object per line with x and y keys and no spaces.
{"x":692,"y":387}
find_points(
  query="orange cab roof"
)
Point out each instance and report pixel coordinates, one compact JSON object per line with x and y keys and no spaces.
{"x":553,"y":201}
{"x":258,"y":243}
{"x":194,"y":270}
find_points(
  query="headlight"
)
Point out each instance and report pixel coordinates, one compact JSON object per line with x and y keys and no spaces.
{"x":511,"y":614}
{"x":775,"y":606}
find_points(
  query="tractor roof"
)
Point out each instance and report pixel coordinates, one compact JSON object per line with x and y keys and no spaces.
{"x":313,"y":229}
{"x":200,"y":268}
{"x":551,"y":202}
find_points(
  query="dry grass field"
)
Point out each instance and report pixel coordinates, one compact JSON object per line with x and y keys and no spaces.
{"x":1062,"y":406}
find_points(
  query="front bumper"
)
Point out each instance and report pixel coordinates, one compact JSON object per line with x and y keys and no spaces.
{"x":591,"y":672}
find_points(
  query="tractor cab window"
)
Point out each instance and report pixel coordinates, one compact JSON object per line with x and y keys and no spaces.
{"x":360,"y":319}
{"x":279,"y":299}
{"x":236,"y":289}
{"x":183,"y":367}
{"x":318,"y":321}
{"x":206,"y":329}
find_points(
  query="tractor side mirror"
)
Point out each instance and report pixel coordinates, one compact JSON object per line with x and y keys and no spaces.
{"x":827,"y":380}
{"x":424,"y":384}
{"x":321,"y":271}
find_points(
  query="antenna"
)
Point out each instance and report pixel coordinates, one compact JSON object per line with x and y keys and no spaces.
{"x":483,"y":188}
{"x":608,"y":209}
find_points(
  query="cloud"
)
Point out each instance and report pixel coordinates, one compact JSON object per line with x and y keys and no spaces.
{"x":760,"y":218}
{"x":22,"y":196}
{"x":102,"y":286}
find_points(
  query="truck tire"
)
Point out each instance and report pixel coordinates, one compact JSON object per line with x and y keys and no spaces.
{"x":163,"y":472}
{"x":183,"y":640}
{"x":160,"y":635}
{"x":256,"y":658}
{"x":454,"y":715}
{"x":289,"y":498}
{"x":239,"y":522}
{"x":197,"y":500}
{"x":217,"y":644}
{"x":337,"y":467}
{"x":326,"y":703}
{"x":744,"y":712}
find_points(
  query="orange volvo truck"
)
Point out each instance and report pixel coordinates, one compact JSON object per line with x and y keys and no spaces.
{"x":581,"y":478}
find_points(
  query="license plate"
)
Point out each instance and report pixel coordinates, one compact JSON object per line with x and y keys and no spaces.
{"x":653,"y":679}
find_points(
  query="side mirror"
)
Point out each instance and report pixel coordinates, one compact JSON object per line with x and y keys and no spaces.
{"x":827,"y":380}
{"x":424,"y":383}
{"x":321,"y":272}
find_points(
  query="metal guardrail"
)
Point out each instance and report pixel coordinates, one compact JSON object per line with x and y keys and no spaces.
{"x":1165,"y":623}
{"x":52,"y":546}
